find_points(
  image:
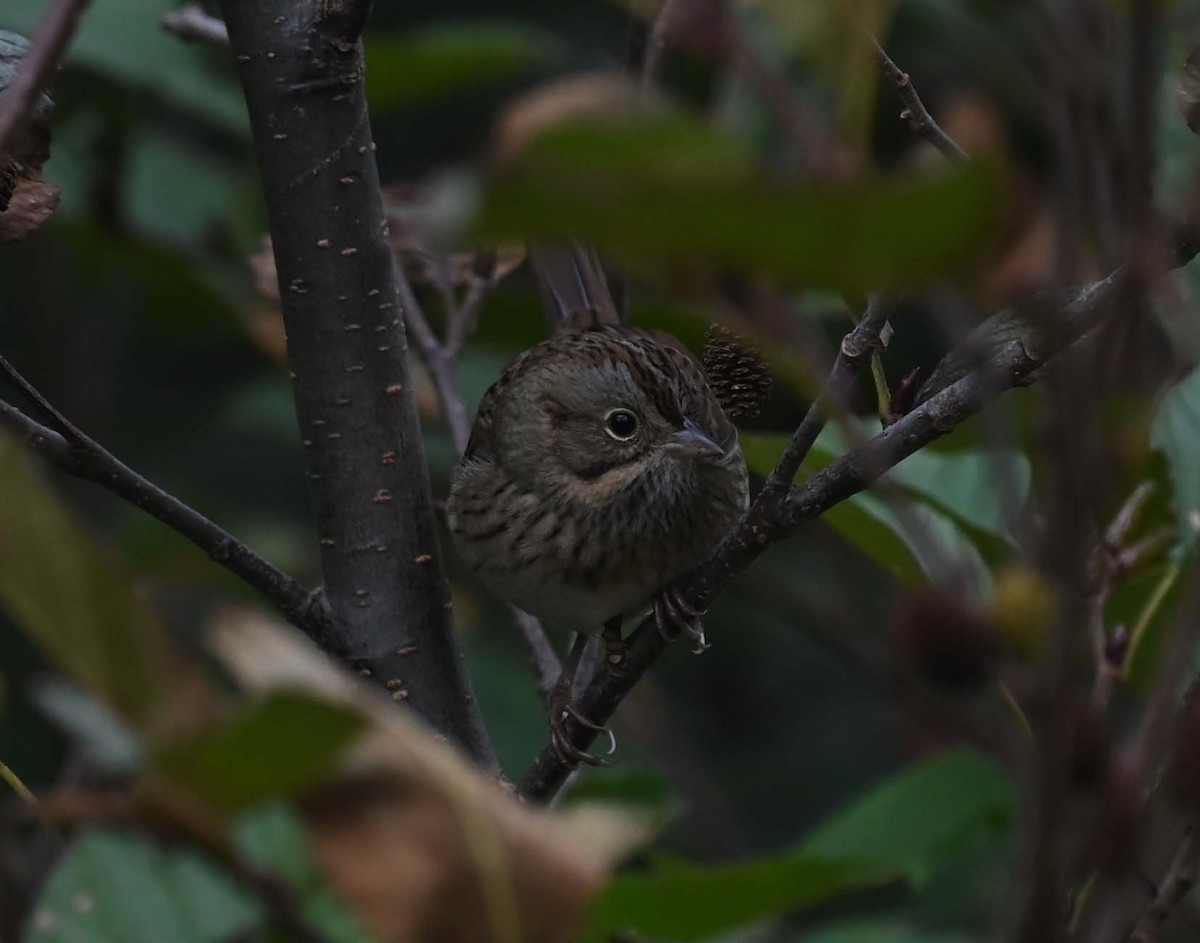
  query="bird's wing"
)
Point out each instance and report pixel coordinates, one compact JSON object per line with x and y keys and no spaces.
{"x":573,"y":287}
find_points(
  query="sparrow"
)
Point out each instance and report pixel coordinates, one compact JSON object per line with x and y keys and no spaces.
{"x":601,"y":466}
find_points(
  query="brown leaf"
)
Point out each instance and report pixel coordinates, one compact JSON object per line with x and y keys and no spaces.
{"x":420,"y":843}
{"x":591,"y":95}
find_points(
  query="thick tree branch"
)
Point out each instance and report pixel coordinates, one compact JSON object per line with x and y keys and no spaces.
{"x":301,"y":67}
{"x":54,"y":32}
{"x":775,"y":515}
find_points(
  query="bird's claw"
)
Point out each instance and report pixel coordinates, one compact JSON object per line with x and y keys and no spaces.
{"x":674,"y":617}
{"x":568,"y":754}
{"x":566,"y":751}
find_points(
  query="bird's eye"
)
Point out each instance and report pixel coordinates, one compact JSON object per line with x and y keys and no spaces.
{"x":621,"y":424}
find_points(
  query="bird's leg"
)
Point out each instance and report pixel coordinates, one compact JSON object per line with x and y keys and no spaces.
{"x":561,"y":707}
{"x":614,"y":643}
{"x":675,"y":617}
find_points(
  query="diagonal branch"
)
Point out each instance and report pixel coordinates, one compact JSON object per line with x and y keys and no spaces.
{"x":76,"y":454}
{"x":776,"y":514}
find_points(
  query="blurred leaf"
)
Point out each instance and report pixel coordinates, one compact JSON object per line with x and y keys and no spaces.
{"x":69,"y":597}
{"x":914,"y":548}
{"x":868,"y":522}
{"x":122,"y":41}
{"x":919,"y":817}
{"x":963,"y":483}
{"x":629,"y":787}
{"x":177,"y":192}
{"x":671,"y":193}
{"x":274,"y":840}
{"x":1176,"y":430}
{"x":272,"y":749}
{"x":681,"y":901}
{"x":880,"y":931}
{"x":104,"y":740}
{"x":421,"y":844}
{"x":121,"y":888}
{"x":440,"y":60}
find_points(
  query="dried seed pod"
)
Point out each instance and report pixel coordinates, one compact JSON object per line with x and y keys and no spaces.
{"x":737,"y":374}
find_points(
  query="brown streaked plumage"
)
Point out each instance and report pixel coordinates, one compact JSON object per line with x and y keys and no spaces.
{"x":601,"y":467}
{"x":567,"y":521}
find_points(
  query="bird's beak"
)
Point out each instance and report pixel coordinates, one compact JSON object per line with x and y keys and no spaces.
{"x":691,"y":442}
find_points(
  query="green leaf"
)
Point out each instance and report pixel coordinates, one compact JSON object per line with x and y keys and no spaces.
{"x":671,"y":193}
{"x":880,"y":931}
{"x":121,"y":888}
{"x":69,"y":597}
{"x":680,"y":901}
{"x":103,"y":740}
{"x":920,"y":817}
{"x":912,"y":547}
{"x":122,"y":41}
{"x":1176,"y":430}
{"x":963,"y":483}
{"x":274,"y":840}
{"x":441,"y":60}
{"x":272,"y":749}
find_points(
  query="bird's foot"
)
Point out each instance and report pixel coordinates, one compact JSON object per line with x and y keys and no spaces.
{"x":560,"y":741}
{"x":674,"y":617}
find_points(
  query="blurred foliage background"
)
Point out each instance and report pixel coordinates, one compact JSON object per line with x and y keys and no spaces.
{"x":135,"y":311}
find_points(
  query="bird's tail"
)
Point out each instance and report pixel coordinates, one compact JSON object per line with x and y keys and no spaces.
{"x":573,"y":286}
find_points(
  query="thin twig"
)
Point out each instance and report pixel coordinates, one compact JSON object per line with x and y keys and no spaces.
{"x":1174,"y":886}
{"x":54,"y":32}
{"x":192,"y":24}
{"x":443,"y":370}
{"x":920,"y":121}
{"x":441,"y":360}
{"x":546,"y":664}
{"x":84,"y":458}
{"x":855,"y":349}
{"x":656,"y":45}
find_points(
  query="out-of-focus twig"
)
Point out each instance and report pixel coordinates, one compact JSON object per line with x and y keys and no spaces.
{"x":65,"y":446}
{"x":191,"y":23}
{"x":54,"y":32}
{"x":920,"y":121}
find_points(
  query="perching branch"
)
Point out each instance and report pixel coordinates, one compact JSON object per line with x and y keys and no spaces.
{"x":301,"y":67}
{"x":54,"y":31}
{"x":72,"y":451}
{"x":776,"y":515}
